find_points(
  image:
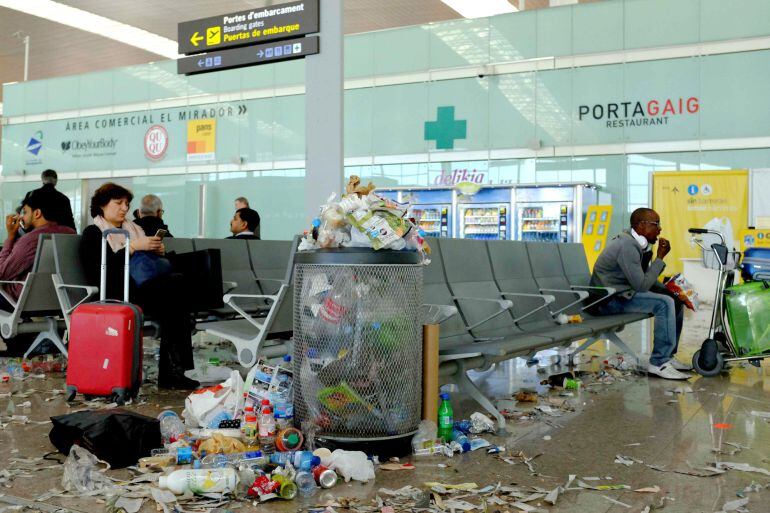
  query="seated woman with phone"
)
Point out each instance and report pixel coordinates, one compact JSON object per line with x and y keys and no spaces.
{"x":160,"y":293}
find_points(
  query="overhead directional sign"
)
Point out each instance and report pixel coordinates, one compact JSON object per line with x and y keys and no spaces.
{"x":248,"y":56}
{"x":249,"y":27}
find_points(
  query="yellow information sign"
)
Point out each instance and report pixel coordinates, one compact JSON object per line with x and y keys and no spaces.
{"x":201,"y":139}
{"x":253,"y":26}
{"x":716,"y":200}
{"x":755,"y":238}
{"x":595,"y":232}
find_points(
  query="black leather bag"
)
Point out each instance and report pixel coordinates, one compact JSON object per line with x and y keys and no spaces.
{"x":117,"y":436}
{"x":202,"y":270}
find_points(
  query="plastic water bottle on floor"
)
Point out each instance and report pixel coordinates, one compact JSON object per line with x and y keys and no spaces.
{"x":305,"y":483}
{"x":266,"y":427}
{"x":302,"y":460}
{"x":231,"y":460}
{"x":462,"y":440}
{"x":171,"y":426}
{"x":617,"y":362}
{"x":16,"y":371}
{"x":445,"y":418}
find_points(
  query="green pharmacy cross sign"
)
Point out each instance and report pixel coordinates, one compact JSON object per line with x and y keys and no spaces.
{"x":445,"y":129}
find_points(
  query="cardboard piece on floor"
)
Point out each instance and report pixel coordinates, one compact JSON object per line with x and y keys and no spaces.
{"x":649,"y":489}
{"x":743,"y":467}
{"x":397,"y":466}
{"x":628,"y":506}
{"x":736,"y":505}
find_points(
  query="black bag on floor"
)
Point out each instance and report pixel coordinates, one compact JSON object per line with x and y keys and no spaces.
{"x":203,"y":272}
{"x":117,"y":436}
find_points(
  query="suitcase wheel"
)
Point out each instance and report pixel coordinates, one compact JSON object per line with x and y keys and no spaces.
{"x":119,"y":396}
{"x":71,"y":393}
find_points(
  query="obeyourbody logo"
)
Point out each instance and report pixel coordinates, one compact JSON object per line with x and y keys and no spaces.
{"x":104,"y":144}
{"x":639,"y":113}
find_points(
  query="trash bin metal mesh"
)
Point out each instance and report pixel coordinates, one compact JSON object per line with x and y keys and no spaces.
{"x":358,"y":349}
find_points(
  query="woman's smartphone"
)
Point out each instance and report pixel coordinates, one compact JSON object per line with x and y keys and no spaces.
{"x":161,"y":233}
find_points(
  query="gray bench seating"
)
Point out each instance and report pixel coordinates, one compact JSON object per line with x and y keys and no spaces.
{"x":506,"y":294}
{"x":263,"y":305}
{"x":237,"y":274}
{"x":71,"y":289}
{"x":36,"y":310}
{"x":254,"y":307}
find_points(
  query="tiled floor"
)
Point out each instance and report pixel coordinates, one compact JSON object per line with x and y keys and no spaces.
{"x":657,"y":422}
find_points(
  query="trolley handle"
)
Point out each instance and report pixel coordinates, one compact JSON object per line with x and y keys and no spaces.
{"x":702,"y":231}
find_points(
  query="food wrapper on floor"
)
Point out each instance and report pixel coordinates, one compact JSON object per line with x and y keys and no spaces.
{"x":682,"y":288}
{"x":219,"y":444}
{"x":361,"y":218}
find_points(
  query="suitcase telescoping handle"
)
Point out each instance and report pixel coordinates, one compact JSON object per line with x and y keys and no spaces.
{"x":103,"y":275}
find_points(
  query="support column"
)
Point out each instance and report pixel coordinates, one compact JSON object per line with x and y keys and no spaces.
{"x":324,"y":169}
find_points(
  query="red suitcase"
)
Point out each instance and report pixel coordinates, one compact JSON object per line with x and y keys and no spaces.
{"x":105,"y":343}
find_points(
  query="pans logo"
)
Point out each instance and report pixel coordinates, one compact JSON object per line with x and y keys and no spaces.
{"x":639,"y":113}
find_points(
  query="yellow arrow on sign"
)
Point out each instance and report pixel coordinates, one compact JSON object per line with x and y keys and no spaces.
{"x":196,"y":38}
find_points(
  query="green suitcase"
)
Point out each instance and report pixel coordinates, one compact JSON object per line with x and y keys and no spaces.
{"x":748,"y":312}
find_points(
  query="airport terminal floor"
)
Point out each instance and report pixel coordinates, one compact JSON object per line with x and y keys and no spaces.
{"x":680,"y":428}
{"x":385,"y":256}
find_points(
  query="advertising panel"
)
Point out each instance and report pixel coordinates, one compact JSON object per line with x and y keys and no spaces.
{"x":717,"y":200}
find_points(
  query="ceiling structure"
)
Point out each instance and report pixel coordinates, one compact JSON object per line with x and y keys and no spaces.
{"x":58,"y":50}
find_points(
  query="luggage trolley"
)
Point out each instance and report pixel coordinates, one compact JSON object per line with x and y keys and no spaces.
{"x":740,"y":321}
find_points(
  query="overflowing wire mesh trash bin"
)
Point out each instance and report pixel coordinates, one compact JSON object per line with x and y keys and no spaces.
{"x":358,"y":343}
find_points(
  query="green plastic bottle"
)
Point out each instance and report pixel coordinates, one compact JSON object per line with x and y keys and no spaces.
{"x":445,"y":418}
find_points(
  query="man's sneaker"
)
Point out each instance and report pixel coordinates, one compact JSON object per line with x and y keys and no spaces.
{"x":680,"y":366}
{"x":666,"y":371}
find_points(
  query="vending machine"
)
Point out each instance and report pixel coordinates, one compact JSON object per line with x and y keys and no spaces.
{"x":432,"y":209}
{"x":552,"y":214}
{"x":484,"y":215}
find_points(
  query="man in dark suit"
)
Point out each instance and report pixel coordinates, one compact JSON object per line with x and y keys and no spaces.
{"x":244,"y":224}
{"x":61,"y":209}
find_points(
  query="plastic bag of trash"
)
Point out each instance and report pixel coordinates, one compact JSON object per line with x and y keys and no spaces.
{"x":352,"y":465}
{"x":204,"y":404}
{"x":82,"y":474}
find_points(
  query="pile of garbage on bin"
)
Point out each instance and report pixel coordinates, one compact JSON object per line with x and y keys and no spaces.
{"x":362,"y":218}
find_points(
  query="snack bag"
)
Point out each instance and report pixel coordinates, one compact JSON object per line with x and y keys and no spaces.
{"x":684,"y":291}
